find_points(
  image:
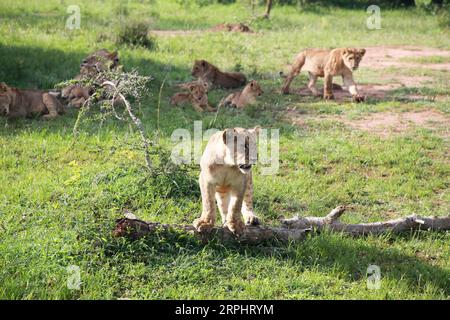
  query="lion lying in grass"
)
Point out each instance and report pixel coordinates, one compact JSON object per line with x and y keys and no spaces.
{"x":245,"y":97}
{"x":327,"y":64}
{"x":196,"y":94}
{"x":204,"y":70}
{"x":226,"y":175}
{"x":16,"y":103}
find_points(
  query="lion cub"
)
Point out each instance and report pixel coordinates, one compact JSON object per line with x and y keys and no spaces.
{"x":197,"y":95}
{"x":16,"y":103}
{"x":245,"y":97}
{"x":327,"y":63}
{"x":93,"y":64}
{"x":226,"y":176}
{"x":206,"y":71}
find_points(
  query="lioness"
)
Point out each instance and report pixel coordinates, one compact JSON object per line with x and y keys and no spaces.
{"x":24,"y":103}
{"x":327,"y":64}
{"x":96,"y":62}
{"x":197,"y":95}
{"x":245,"y":97}
{"x":204,"y":70}
{"x":226,"y":175}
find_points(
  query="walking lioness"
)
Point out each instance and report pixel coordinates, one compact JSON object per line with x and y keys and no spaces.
{"x":327,"y":64}
{"x":16,"y":103}
{"x":226,"y":176}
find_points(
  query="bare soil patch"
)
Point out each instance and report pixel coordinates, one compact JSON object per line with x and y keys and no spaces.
{"x":383,"y":123}
{"x":381,"y":57}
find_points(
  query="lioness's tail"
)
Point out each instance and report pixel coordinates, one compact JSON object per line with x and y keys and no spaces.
{"x":299,"y":61}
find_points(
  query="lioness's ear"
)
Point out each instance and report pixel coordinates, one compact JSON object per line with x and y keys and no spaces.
{"x":362,"y":51}
{"x":252,"y":83}
{"x":114,"y":55}
{"x":3,"y":87}
{"x":256,"y":129}
{"x":203,"y":63}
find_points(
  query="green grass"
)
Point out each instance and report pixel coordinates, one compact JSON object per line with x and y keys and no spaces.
{"x":60,"y":194}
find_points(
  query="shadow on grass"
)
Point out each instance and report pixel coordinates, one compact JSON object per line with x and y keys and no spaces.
{"x":325,"y":252}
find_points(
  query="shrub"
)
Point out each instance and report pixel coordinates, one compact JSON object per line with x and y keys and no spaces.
{"x":135,"y":34}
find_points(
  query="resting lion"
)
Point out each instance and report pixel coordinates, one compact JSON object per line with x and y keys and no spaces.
{"x":226,"y":176}
{"x":99,"y":61}
{"x":245,"y":97}
{"x":204,"y":70}
{"x":16,"y":103}
{"x":327,"y":64}
{"x":197,"y":95}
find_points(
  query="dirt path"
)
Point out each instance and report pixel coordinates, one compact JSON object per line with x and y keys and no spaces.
{"x":383,"y":124}
{"x":381,"y":57}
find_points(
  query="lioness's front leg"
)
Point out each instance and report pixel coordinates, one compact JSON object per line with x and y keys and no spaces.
{"x":208,"y":217}
{"x":247,"y":203}
{"x":234,"y":220}
{"x":223,"y":201}
{"x":351,"y":86}
{"x":53,"y":106}
{"x":328,"y":87}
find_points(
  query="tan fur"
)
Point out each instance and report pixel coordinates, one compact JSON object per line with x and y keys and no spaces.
{"x":208,"y":72}
{"x":16,"y":103}
{"x":197,"y":95}
{"x":233,"y":27}
{"x":101,"y":60}
{"x":327,"y":64}
{"x":245,"y":97}
{"x":226,"y":177}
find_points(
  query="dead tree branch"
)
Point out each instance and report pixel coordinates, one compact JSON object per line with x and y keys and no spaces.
{"x":135,"y":229}
{"x":294,"y":229}
{"x":331,"y":222}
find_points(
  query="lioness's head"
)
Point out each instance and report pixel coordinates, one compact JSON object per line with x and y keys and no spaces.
{"x":5,"y":99}
{"x":200,"y":68}
{"x":255,"y":88}
{"x":352,"y":57}
{"x":199,"y":93}
{"x":99,"y":61}
{"x":241,"y":147}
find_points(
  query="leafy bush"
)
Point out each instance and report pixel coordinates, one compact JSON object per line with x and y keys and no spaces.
{"x":135,"y":34}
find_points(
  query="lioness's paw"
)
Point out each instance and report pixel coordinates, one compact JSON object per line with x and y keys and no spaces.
{"x":285,"y":90}
{"x":328,"y":96}
{"x":237,"y":227}
{"x":358,"y":98}
{"x":252,"y":220}
{"x":203,"y":225}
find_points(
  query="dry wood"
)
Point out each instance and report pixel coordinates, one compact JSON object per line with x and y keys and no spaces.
{"x":135,"y":229}
{"x":293,"y":229}
{"x":331,"y":222}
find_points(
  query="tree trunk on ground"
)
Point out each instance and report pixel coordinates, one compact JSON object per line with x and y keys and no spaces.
{"x":294,"y":229}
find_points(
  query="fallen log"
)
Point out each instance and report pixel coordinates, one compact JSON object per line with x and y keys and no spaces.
{"x":292,"y":229}
{"x":135,"y":229}
{"x":331,"y":222}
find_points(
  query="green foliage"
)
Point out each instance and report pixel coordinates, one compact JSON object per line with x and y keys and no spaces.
{"x":60,"y":194}
{"x":135,"y":33}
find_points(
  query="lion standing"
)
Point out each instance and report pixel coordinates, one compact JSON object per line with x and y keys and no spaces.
{"x":226,"y":177}
{"x":327,"y":64}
